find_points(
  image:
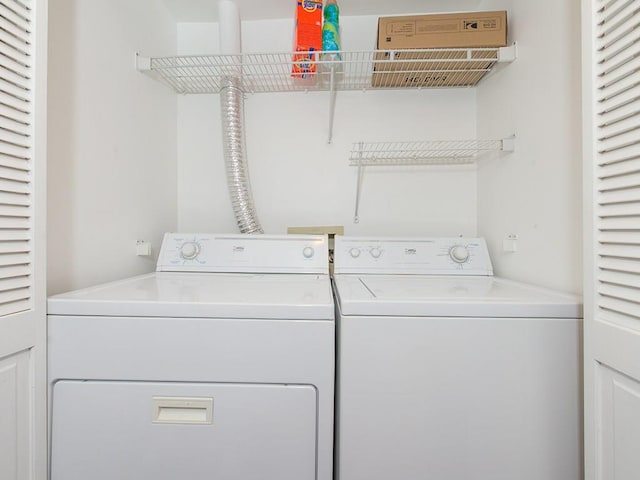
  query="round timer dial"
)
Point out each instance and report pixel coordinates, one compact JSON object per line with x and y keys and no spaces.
{"x":189,"y":250}
{"x":459,"y":253}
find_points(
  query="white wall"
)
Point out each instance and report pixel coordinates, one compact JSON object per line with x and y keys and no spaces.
{"x":114,"y":134}
{"x":535,"y":193}
{"x":112,"y":140}
{"x":299,"y":179}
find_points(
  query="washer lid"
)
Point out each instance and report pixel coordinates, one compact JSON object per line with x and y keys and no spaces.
{"x":450,"y":296}
{"x":204,"y":295}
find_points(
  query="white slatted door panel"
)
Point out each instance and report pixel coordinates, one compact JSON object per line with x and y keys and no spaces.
{"x":23,"y":399}
{"x":16,"y":156}
{"x":618,"y":162}
{"x":611,"y":109}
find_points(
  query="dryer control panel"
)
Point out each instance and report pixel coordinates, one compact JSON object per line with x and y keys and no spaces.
{"x":426,"y":256}
{"x":244,"y":253}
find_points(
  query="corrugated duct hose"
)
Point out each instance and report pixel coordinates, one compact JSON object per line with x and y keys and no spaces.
{"x":232,"y":111}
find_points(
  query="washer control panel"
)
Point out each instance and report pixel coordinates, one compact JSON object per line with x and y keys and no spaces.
{"x":428,"y":256}
{"x":201,"y":252}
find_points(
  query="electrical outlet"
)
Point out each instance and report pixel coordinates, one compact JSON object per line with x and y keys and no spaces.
{"x":143,"y":248}
{"x":510,"y":244}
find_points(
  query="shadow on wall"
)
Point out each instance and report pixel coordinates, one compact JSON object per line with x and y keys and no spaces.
{"x":60,"y":142}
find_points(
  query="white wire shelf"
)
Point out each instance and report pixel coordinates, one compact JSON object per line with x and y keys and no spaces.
{"x":449,"y":152}
{"x":356,"y":70}
{"x":437,"y":152}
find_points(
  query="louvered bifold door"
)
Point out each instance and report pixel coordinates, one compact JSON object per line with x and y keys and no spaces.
{"x":618,"y":171}
{"x":612,"y":289}
{"x":23,"y":334}
{"x":16,"y":157}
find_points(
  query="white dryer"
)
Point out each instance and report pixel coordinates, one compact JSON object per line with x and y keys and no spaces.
{"x":447,"y":372}
{"x":218,"y":365}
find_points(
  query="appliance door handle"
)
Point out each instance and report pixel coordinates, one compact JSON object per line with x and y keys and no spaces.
{"x":183,"y":410}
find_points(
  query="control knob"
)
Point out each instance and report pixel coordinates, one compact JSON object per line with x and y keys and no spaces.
{"x":307,"y":252}
{"x":189,"y":250}
{"x":354,"y":252}
{"x":375,"y":252}
{"x":459,"y":253}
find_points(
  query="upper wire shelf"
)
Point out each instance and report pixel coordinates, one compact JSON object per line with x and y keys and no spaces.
{"x":356,"y":70}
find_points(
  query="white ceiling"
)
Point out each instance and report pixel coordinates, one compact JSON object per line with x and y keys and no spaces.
{"x":207,"y":10}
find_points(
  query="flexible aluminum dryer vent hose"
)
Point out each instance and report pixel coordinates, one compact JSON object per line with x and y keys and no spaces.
{"x":233,"y":136}
{"x":232,"y":108}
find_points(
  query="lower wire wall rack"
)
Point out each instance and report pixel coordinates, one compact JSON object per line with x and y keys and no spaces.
{"x":435,"y":152}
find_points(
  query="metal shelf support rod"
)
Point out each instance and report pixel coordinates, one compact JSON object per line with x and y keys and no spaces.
{"x":332,"y":101}
{"x":356,"y":218}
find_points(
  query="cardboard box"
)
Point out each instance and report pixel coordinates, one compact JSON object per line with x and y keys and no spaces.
{"x":448,"y":30}
{"x":307,"y":38}
{"x":432,"y":69}
{"x":441,"y":68}
{"x":419,"y":79}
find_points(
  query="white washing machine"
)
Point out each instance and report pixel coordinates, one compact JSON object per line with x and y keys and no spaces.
{"x":447,"y":372}
{"x":219,"y":365}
